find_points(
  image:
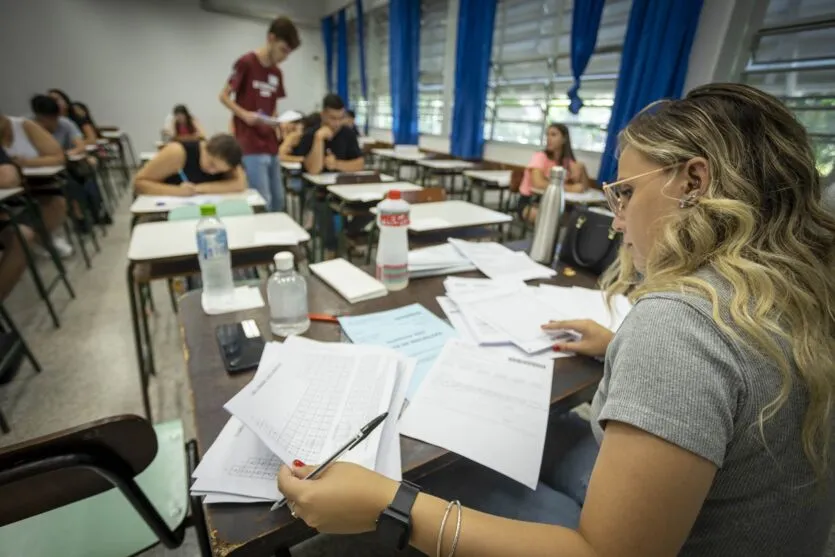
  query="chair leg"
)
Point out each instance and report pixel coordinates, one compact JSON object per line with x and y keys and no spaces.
{"x":7,"y":319}
{"x":172,"y":296}
{"x":72,"y":233}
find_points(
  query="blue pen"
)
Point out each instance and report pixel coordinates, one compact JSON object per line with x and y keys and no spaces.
{"x":183,"y":177}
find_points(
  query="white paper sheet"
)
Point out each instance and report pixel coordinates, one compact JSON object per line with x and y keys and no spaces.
{"x":244,"y":297}
{"x":497,"y":261}
{"x":316,"y":397}
{"x":516,"y":311}
{"x":491,"y":410}
{"x":389,"y":462}
{"x":585,"y":303}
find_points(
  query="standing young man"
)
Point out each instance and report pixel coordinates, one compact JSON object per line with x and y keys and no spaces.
{"x":251,"y":94}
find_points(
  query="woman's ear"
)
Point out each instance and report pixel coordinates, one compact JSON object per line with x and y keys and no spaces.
{"x":697,"y":173}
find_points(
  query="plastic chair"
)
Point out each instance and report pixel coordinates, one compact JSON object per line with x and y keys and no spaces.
{"x":116,"y":486}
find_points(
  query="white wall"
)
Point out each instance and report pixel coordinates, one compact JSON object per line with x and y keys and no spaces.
{"x":131,"y":61}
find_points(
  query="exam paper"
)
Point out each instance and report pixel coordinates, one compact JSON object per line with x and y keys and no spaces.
{"x":243,"y":297}
{"x":585,"y":303}
{"x":315,"y":397}
{"x":497,"y":261}
{"x":389,"y":462}
{"x":491,"y":410}
{"x":412,"y":330}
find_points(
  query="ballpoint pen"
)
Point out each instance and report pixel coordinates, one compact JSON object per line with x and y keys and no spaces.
{"x":183,"y":176}
{"x":364,"y":432}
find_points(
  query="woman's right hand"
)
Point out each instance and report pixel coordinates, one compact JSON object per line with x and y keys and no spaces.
{"x":596,"y":337}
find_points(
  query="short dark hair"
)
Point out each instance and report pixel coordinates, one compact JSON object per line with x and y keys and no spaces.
{"x":225,"y":147}
{"x":43,"y":105}
{"x":332,"y":101}
{"x":284,"y":30}
{"x":351,"y":113}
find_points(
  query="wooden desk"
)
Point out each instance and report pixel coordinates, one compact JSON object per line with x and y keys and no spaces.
{"x":169,"y":249}
{"x":252,"y":530}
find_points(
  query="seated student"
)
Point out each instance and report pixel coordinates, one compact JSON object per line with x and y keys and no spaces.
{"x":13,"y":260}
{"x":557,"y":152}
{"x":712,"y":429}
{"x":180,"y":125}
{"x":330,"y":147}
{"x":186,"y":168}
{"x":47,"y":113}
{"x":29,"y":145}
{"x":80,"y":114}
{"x":351,"y":122}
{"x":291,"y":136}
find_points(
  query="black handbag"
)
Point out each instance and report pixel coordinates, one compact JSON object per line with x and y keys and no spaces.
{"x":590,"y":241}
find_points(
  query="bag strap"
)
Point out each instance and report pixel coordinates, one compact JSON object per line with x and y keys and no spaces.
{"x":581,"y":220}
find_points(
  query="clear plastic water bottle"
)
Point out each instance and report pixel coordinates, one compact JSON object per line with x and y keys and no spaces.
{"x":393,"y":246}
{"x":287,"y":296}
{"x":215,"y":262}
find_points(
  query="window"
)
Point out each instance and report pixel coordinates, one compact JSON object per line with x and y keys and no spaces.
{"x":355,"y":99}
{"x":379,"y":96}
{"x":793,"y":58}
{"x":433,"y":27}
{"x":531,"y":73}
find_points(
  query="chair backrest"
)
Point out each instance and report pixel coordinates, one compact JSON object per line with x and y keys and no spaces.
{"x":516,"y":179}
{"x":186,"y":212}
{"x":426,"y":195}
{"x":233,"y":208}
{"x":49,"y":472}
{"x":364,"y":178}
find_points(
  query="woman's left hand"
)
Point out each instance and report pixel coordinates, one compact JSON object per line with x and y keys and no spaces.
{"x":345,"y":499}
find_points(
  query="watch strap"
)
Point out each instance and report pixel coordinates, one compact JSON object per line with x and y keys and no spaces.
{"x":394,"y":526}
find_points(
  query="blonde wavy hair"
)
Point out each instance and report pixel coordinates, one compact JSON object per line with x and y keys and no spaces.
{"x":761,"y":226}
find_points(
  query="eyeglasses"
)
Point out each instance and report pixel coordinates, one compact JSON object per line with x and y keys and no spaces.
{"x":615,"y":195}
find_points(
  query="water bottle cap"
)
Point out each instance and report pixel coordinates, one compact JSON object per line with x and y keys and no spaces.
{"x":208,"y":210}
{"x":283,"y":260}
{"x":394,"y":194}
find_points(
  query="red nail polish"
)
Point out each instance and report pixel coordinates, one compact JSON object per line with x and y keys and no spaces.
{"x":556,"y":348}
{"x":298,"y":463}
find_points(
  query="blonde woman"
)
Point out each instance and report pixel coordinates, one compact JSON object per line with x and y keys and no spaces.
{"x":714,"y":417}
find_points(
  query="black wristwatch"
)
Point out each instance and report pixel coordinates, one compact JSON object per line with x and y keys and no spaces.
{"x":394,"y":526}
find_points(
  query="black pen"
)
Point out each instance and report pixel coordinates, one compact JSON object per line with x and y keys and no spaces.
{"x":365,"y":431}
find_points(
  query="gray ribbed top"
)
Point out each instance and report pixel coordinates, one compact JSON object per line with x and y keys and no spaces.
{"x":672,"y":372}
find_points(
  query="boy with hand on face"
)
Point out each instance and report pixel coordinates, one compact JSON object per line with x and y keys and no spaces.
{"x":251,"y":94}
{"x":330,"y":147}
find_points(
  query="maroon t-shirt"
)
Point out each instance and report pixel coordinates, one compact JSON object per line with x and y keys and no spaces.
{"x":256,"y":89}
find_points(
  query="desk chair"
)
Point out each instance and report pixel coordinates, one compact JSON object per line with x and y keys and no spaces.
{"x":13,"y":348}
{"x":116,"y":486}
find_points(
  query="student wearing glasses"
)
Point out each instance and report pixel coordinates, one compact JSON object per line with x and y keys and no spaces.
{"x":712,"y":428}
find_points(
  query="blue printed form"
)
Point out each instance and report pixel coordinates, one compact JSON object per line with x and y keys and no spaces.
{"x":411,"y":330}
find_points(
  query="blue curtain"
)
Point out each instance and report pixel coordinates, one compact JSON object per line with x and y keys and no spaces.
{"x":653,"y":64}
{"x":361,"y":43}
{"x":342,"y":56}
{"x":585,"y":22}
{"x":472,"y":70}
{"x":327,"y":38}
{"x":404,"y":60}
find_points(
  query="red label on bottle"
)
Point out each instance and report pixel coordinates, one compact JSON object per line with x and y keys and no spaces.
{"x":394,"y":219}
{"x":392,"y":273}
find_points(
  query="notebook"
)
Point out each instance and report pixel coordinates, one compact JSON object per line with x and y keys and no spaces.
{"x":352,"y":283}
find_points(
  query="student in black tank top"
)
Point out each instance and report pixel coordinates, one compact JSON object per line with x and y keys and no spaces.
{"x":194,"y":167}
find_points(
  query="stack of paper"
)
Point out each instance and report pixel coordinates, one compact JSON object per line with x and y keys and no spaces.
{"x":352,"y":283}
{"x":493,"y":410}
{"x":306,"y":400}
{"x":443,"y":259}
{"x":497,"y":261}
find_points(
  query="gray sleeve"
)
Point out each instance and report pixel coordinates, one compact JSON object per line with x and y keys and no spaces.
{"x":674,"y":375}
{"x":72,"y":130}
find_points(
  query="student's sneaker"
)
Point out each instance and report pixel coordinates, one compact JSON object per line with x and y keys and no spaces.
{"x":62,"y":246}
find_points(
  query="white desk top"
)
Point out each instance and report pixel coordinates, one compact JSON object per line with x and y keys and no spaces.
{"x":6,"y":193}
{"x":42,"y":171}
{"x":588,"y":196}
{"x":76,"y":158}
{"x":291,"y":165}
{"x":158,"y":204}
{"x":145,"y":156}
{"x":91,"y":148}
{"x":399,"y":155}
{"x":152,"y":241}
{"x":365,"y":140}
{"x":447,"y":215}
{"x":369,"y":192}
{"x":111,"y":135}
{"x":102,"y":141}
{"x":500,"y":178}
{"x":449,"y":164}
{"x":329,"y":178}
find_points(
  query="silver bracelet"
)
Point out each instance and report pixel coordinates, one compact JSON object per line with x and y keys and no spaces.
{"x":441,"y":531}
{"x":457,"y":529}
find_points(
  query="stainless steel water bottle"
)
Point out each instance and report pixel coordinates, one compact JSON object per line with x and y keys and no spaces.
{"x":546,"y":230}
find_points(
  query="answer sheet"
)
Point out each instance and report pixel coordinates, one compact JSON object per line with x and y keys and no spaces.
{"x":491,"y":410}
{"x":317,"y":396}
{"x":499,"y":262}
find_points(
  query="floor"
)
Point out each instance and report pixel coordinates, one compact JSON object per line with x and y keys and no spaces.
{"x":89,"y":367}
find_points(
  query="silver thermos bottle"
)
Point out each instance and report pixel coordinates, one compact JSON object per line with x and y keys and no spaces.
{"x":548,"y":217}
